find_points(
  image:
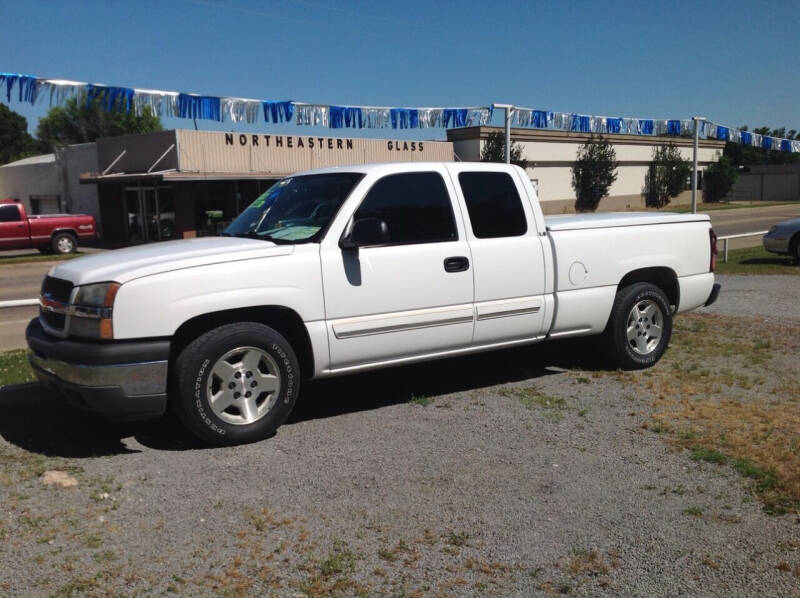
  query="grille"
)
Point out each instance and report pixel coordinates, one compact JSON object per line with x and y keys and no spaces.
{"x":51,"y":319}
{"x":57,"y":289}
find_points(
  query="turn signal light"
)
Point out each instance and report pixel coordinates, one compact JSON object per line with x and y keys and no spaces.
{"x":712,"y":237}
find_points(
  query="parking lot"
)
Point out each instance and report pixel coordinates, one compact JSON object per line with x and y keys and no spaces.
{"x":527,"y":472}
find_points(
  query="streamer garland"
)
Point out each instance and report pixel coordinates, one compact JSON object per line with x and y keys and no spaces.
{"x":33,"y":90}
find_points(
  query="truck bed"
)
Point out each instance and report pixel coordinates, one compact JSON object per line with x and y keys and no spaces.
{"x":616,"y":219}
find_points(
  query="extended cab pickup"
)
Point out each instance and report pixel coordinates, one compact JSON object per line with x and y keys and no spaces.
{"x":59,"y":233}
{"x":346,"y":269}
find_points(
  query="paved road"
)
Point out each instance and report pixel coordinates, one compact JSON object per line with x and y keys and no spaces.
{"x":748,"y":220}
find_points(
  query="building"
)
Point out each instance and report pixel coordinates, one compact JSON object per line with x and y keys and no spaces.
{"x":183,"y":183}
{"x":49,"y":183}
{"x":553,"y":154}
{"x":767,"y":182}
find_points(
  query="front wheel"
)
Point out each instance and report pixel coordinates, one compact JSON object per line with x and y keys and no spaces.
{"x":236,"y":384}
{"x":640,"y":326}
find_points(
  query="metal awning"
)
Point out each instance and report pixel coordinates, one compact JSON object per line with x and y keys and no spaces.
{"x":174,"y":176}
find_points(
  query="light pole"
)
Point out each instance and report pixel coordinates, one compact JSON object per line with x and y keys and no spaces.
{"x":507,"y":108}
{"x":697,"y":120}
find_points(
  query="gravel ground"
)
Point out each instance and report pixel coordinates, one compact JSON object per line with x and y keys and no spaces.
{"x":773,"y":297}
{"x":515,"y":473}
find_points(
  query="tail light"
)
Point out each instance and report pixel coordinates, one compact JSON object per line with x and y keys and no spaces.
{"x":712,"y":237}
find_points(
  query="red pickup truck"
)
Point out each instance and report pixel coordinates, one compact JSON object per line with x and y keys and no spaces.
{"x":58,"y":233}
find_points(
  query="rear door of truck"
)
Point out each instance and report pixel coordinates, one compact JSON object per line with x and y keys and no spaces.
{"x":14,"y":233}
{"x":507,"y":253}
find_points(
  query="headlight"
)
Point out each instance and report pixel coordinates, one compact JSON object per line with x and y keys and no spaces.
{"x":97,"y":295}
{"x":92,"y":309}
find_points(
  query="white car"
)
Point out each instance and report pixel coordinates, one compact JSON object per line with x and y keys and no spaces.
{"x":407,"y":262}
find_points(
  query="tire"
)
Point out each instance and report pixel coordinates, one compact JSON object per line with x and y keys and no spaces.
{"x":231,"y":363}
{"x":64,"y":243}
{"x":639,"y":311}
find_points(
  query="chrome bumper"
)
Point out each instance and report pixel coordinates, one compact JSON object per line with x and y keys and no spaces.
{"x":148,"y":378}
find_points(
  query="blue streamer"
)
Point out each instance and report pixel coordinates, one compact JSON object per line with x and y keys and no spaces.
{"x":345,"y":116}
{"x":673,"y":127}
{"x":766,"y":142}
{"x":203,"y":107}
{"x":540,"y":119}
{"x":723,"y":133}
{"x":646,"y":126}
{"x":786,"y":145}
{"x":747,"y":138}
{"x":457,"y":115}
{"x":614,"y":125}
{"x":27,"y":86}
{"x":113,"y":99}
{"x":405,"y":118}
{"x":279,"y":111}
{"x":580,"y":122}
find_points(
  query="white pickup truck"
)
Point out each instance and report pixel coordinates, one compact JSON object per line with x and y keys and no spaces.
{"x":347,"y":269}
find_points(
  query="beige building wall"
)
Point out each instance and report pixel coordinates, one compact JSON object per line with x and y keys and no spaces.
{"x":554,"y":152}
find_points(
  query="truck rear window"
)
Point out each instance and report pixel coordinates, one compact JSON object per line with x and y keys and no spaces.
{"x":494,"y":206}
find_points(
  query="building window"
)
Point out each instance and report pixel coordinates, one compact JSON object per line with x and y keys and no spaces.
{"x":45,"y":204}
{"x":494,"y":206}
{"x":415,"y":206}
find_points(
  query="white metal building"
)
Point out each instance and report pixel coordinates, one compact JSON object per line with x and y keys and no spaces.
{"x":553,"y":154}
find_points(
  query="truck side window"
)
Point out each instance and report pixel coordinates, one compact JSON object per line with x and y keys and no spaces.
{"x":9,"y":213}
{"x":494,"y":206}
{"x":415,"y":206}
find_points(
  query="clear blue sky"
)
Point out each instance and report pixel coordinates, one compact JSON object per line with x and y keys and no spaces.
{"x":734,"y":62}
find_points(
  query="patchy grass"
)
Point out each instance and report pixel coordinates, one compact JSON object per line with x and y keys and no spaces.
{"x":531,"y":397}
{"x":14,"y":368}
{"x":727,"y":391}
{"x":755,"y":260}
{"x":421,"y":401}
{"x":32,"y":257}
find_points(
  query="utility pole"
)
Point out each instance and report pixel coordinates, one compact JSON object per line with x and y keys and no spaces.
{"x":697,"y":120}
{"x":508,"y":108}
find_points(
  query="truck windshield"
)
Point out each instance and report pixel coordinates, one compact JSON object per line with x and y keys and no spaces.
{"x":295,"y":209}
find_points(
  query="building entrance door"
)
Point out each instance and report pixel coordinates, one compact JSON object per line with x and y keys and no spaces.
{"x":149,"y":213}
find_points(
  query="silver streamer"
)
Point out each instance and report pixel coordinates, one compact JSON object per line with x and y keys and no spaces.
{"x":161,"y":103}
{"x":240,"y":109}
{"x":316,"y":115}
{"x":376,"y":118}
{"x":60,"y":90}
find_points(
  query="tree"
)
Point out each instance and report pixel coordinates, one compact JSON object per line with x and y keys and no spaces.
{"x":666,"y":177}
{"x":81,"y":122}
{"x":494,"y":150}
{"x":718,"y":179}
{"x":15,"y":141}
{"x":593,"y":173}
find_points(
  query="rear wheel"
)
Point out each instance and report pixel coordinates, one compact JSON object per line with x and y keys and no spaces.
{"x":236,"y":384}
{"x":640,"y":326}
{"x":64,"y":243}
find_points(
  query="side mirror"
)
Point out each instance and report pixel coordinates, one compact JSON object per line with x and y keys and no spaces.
{"x":365,"y":232}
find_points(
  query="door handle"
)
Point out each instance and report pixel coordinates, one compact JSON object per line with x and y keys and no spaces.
{"x":456,"y":264}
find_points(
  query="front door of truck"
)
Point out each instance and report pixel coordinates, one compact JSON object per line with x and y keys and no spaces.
{"x":413,"y":293}
{"x":13,"y":229}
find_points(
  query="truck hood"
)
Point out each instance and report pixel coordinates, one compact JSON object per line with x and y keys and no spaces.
{"x":123,"y":265}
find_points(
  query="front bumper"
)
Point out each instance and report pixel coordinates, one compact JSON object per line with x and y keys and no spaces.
{"x":121,"y":379}
{"x":776,"y":245}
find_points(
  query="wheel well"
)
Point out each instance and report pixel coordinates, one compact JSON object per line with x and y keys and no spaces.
{"x":286,"y":321}
{"x":60,"y":231}
{"x":664,"y":278}
{"x":793,"y":242}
